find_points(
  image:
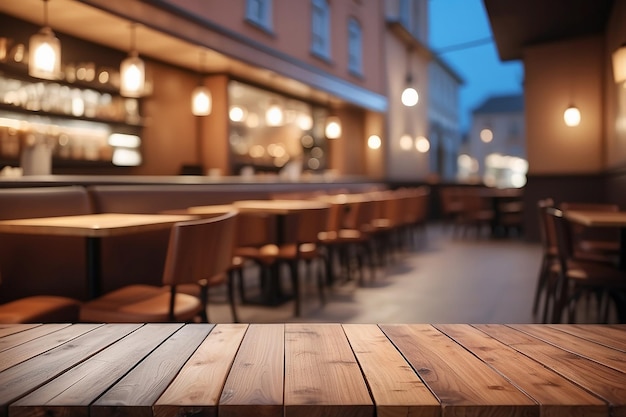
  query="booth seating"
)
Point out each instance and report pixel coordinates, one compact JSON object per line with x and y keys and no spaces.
{"x":56,"y":265}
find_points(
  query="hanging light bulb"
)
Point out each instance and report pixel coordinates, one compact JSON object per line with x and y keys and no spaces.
{"x":44,"y":51}
{"x":571,"y":116}
{"x":274,"y":115}
{"x":333,"y":127}
{"x":409,"y":95}
{"x":201,"y":100}
{"x":132,"y":71}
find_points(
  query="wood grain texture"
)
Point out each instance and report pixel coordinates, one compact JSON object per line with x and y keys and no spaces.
{"x":138,"y":390}
{"x":464,"y":384}
{"x":322,"y":376}
{"x":604,"y":382}
{"x":7,"y":329}
{"x":611,"y":336}
{"x":61,"y":334}
{"x":397,"y":391}
{"x":605,"y":355}
{"x":16,"y":339}
{"x":255,"y":383}
{"x":556,"y":396}
{"x":198,"y":386}
{"x":72,"y":392}
{"x":29,"y":375}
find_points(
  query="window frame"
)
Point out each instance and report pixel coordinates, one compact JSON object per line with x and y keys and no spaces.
{"x":320,"y":29}
{"x":259,"y":13}
{"x":355,"y":46}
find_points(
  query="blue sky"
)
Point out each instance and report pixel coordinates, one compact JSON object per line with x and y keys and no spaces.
{"x":457,"y":22}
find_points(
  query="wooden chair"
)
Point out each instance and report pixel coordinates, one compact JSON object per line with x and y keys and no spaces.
{"x":549,"y":253}
{"x":40,"y":309}
{"x":199,"y":253}
{"x":576,"y":277}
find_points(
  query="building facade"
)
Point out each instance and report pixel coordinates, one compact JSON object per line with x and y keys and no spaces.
{"x":311,"y":61}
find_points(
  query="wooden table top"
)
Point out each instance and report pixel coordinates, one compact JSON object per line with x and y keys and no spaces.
{"x":597,"y":218}
{"x":92,"y":225}
{"x":304,"y":369}
{"x":278,"y":206}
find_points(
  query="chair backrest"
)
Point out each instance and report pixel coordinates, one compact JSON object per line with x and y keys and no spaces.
{"x":562,"y":233}
{"x":200,"y":249}
{"x":546,"y":226}
{"x":303,"y":226}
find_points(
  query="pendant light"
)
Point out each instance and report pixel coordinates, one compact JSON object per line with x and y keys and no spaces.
{"x":44,"y":51}
{"x":132,"y":71}
{"x":201,"y":100}
{"x":333,"y":127}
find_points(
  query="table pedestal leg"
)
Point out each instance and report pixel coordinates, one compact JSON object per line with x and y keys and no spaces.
{"x":93,"y":267}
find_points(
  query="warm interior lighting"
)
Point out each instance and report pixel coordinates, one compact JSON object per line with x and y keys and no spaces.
{"x":422,"y":144}
{"x":572,"y":116}
{"x":274,"y":115}
{"x":410,"y":97}
{"x":406,"y":142}
{"x":44,"y":52}
{"x":132,"y":72}
{"x":333,"y":127}
{"x":619,"y":64}
{"x":201,"y":101}
{"x":374,"y":142}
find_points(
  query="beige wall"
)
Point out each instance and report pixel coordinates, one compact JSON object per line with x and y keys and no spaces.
{"x":405,"y":164}
{"x":558,"y":74}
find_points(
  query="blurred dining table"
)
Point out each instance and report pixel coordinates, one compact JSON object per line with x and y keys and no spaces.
{"x":616,"y":219}
{"x":272,"y":292}
{"x":93,"y":227}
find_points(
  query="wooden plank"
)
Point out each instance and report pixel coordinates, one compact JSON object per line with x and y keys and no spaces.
{"x":15,"y":339}
{"x":198,"y":386}
{"x":605,"y":355}
{"x":555,"y":395}
{"x":21,"y":379}
{"x":322,"y":376}
{"x":136,"y":392}
{"x":396,"y":389}
{"x":604,"y":335}
{"x":606,"y":383}
{"x":25,"y":351}
{"x":72,"y":392}
{"x":464,"y":384}
{"x":7,"y":329}
{"x":255,"y":383}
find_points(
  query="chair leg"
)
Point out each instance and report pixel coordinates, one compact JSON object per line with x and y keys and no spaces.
{"x":295,"y":280}
{"x":232,"y":276}
{"x":320,"y":285}
{"x":204,"y":298}
{"x":541,"y":283}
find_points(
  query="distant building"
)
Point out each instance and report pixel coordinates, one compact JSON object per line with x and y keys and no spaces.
{"x":497,"y":141}
{"x":443,"y":118}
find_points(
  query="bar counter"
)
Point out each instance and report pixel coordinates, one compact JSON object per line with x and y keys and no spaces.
{"x":303,"y":369}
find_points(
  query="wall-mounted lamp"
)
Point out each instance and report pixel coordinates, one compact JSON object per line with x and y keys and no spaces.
{"x":44,"y":51}
{"x":132,"y":71}
{"x":422,"y":144}
{"x":619,"y":64}
{"x":201,"y":100}
{"x":374,"y":142}
{"x":571,"y":116}
{"x":274,"y":116}
{"x":333,"y":127}
{"x":409,"y":97}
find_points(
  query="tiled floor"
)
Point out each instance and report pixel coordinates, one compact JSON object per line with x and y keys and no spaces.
{"x":447,"y":280}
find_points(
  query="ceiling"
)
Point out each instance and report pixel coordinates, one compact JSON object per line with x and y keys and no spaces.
{"x":92,"y":24}
{"x":519,"y":23}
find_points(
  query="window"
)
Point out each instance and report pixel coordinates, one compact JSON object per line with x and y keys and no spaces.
{"x":259,"y":12}
{"x":320,"y":28}
{"x":404,"y":13}
{"x":355,"y":47}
